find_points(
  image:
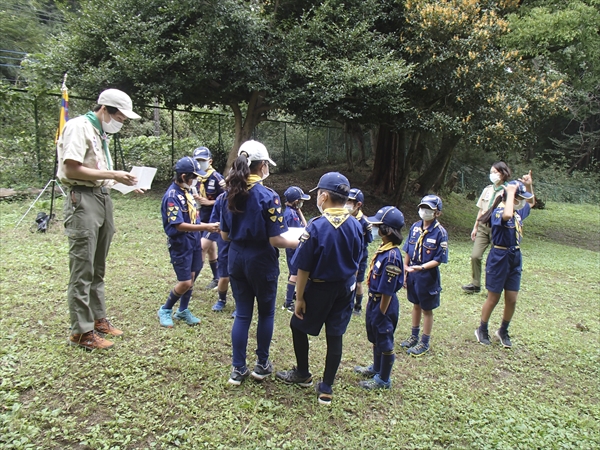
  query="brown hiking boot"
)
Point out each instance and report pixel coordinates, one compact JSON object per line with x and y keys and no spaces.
{"x":105,"y":327}
{"x":90,"y":341}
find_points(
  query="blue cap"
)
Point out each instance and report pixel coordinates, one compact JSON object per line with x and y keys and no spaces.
{"x":202,"y":153}
{"x":335,"y":182}
{"x":294,"y":193}
{"x":521,"y":190}
{"x":356,"y":194}
{"x":388,"y":215}
{"x":433,"y":201}
{"x":188,"y":165}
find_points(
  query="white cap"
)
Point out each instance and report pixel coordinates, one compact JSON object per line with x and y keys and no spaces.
{"x":118,"y":99}
{"x":255,"y":151}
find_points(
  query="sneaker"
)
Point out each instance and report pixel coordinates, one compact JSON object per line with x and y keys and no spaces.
{"x":187,"y":316}
{"x":105,"y":327}
{"x":90,"y":341}
{"x":411,"y":341}
{"x":482,"y":337}
{"x":212,"y":285}
{"x":219,"y":306}
{"x":418,"y":350}
{"x":238,"y":375}
{"x":261,"y":371}
{"x":356,"y":311}
{"x":504,"y":338}
{"x":324,"y":394}
{"x":291,"y":307}
{"x":375,"y":383}
{"x":365,"y":371}
{"x":234,"y":314}
{"x":164,"y":315}
{"x":294,"y":377}
{"x":471,"y":288}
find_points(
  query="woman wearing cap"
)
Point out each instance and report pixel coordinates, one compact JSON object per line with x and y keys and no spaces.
{"x":481,"y":234}
{"x":504,"y":263}
{"x":426,"y":248}
{"x":385,"y":278}
{"x":253,"y":222}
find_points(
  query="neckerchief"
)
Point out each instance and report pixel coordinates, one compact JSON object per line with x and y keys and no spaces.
{"x":359,"y":215}
{"x":253,"y":179}
{"x":202,"y":180}
{"x":191,"y":203}
{"x":496,"y":190}
{"x":336,"y":216}
{"x":103,"y":136}
{"x":382,"y":248}
{"x":516,"y":220}
{"x":418,"y":252}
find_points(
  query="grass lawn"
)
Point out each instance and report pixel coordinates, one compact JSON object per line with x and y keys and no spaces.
{"x":167,"y":388}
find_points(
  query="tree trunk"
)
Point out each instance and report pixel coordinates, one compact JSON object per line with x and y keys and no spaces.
{"x":255,"y":114}
{"x":387,"y":161}
{"x":356,"y":132}
{"x":434,"y":174}
{"x":409,"y":163}
{"x":348,"y":145}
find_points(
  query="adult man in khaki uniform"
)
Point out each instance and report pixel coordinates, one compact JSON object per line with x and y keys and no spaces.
{"x":85,"y":167}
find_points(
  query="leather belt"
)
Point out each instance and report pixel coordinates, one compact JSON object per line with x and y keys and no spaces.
{"x":95,"y":189}
{"x":516,"y":247}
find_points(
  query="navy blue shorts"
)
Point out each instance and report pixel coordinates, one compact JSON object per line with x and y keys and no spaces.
{"x":503,"y":270}
{"x":423,"y":288}
{"x":223,"y":255}
{"x":381,"y":327}
{"x":211,"y":236}
{"x":329,"y":304}
{"x":289,"y":254}
{"x":362,"y":268}
{"x":186,"y":261}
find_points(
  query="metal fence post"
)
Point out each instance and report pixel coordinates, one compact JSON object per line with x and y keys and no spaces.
{"x":172,"y":138}
{"x":37,"y":137}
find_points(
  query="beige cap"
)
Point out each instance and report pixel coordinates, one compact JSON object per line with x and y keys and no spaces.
{"x":118,"y":99}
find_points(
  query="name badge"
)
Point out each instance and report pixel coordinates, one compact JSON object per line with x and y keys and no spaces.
{"x":430,"y":241}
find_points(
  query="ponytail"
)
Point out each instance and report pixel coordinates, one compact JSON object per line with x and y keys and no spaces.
{"x":237,"y":183}
{"x":486,"y":217}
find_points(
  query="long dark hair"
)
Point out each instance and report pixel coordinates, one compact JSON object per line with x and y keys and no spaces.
{"x":237,"y":182}
{"x":502,"y":169}
{"x":486,"y":217}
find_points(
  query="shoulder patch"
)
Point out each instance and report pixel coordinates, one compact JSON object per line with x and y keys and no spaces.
{"x":444,"y":244}
{"x":393,"y":271}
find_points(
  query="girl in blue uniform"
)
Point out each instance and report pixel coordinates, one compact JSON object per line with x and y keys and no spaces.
{"x":386,"y":277}
{"x":293,"y":218}
{"x":426,"y":248}
{"x":253,"y":222}
{"x":223,"y":253}
{"x":181,"y":223}
{"x":504,"y":263}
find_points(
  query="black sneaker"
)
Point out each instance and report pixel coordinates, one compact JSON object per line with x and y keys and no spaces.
{"x":356,"y":311}
{"x":294,"y":377}
{"x":212,"y":285}
{"x":482,"y":337}
{"x":409,"y":342}
{"x":471,"y":289}
{"x":238,"y":375}
{"x":365,"y":371}
{"x":324,"y":394}
{"x":291,"y":307}
{"x":261,"y":371}
{"x":504,"y":338}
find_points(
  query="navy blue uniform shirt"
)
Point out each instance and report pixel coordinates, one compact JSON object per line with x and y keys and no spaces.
{"x":211,"y":189}
{"x":508,"y":233}
{"x":386,"y":276}
{"x":427,"y":245}
{"x":176,"y":209}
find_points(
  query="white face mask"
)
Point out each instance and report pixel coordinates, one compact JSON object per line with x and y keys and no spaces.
{"x":495,"y":177}
{"x":193,"y":185}
{"x":426,"y":214}
{"x":204,"y":165}
{"x":349,"y":207}
{"x":518,"y":204}
{"x":299,"y":205}
{"x":265,"y":175}
{"x":320,"y":207}
{"x":113,"y":126}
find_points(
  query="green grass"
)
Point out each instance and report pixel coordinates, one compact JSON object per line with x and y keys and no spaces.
{"x":163,"y":388}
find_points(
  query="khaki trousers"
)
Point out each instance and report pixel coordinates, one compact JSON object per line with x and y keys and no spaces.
{"x":89,"y":226}
{"x":482,"y":241}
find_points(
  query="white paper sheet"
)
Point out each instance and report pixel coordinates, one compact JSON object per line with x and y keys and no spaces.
{"x":144,"y":175}
{"x":293,"y":233}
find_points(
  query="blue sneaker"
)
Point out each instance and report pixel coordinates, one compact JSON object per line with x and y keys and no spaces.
{"x":187,"y":316}
{"x":234,"y":314}
{"x":262,"y":371}
{"x":365,"y":371}
{"x":375,"y":383}
{"x":418,"y":350}
{"x":219,"y":306}
{"x":164,"y":315}
{"x":238,"y":375}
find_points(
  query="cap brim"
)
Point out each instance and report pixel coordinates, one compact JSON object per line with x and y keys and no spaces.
{"x":374,"y":221}
{"x":314,"y":189}
{"x":428,"y":204}
{"x":305,"y":197}
{"x":130,"y":114}
{"x":200,"y":173}
{"x":271,"y":162}
{"x":525,"y":195}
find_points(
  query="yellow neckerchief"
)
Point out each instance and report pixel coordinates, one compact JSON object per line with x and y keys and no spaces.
{"x":191,"y":203}
{"x":496,"y":190}
{"x":253,"y":179}
{"x":202,"y":179}
{"x":419,"y":245}
{"x":382,"y":248}
{"x":359,"y":215}
{"x":336,"y":216}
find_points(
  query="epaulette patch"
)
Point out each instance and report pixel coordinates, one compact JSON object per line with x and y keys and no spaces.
{"x":393,"y":271}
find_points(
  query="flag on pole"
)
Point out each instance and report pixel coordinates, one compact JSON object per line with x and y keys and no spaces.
{"x":64,"y":109}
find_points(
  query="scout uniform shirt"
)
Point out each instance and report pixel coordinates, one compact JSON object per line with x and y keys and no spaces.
{"x":508,"y":233}
{"x":84,"y":141}
{"x":209,"y":187}
{"x":427,"y":245}
{"x":489,"y":194}
{"x":178,"y":206}
{"x":331,"y":247}
{"x":386,"y":274}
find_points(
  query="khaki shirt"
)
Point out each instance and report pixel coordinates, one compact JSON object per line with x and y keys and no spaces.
{"x":81,"y":142}
{"x":484,"y":199}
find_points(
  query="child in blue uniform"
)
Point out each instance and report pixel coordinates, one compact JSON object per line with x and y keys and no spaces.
{"x":356,"y":200}
{"x":293,"y":218}
{"x":182,"y":226}
{"x":327,"y":260}
{"x":210,"y":186}
{"x":504,"y":263}
{"x":426,"y":248}
{"x":223,"y":250}
{"x":386,"y":277}
{"x":253,"y":221}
